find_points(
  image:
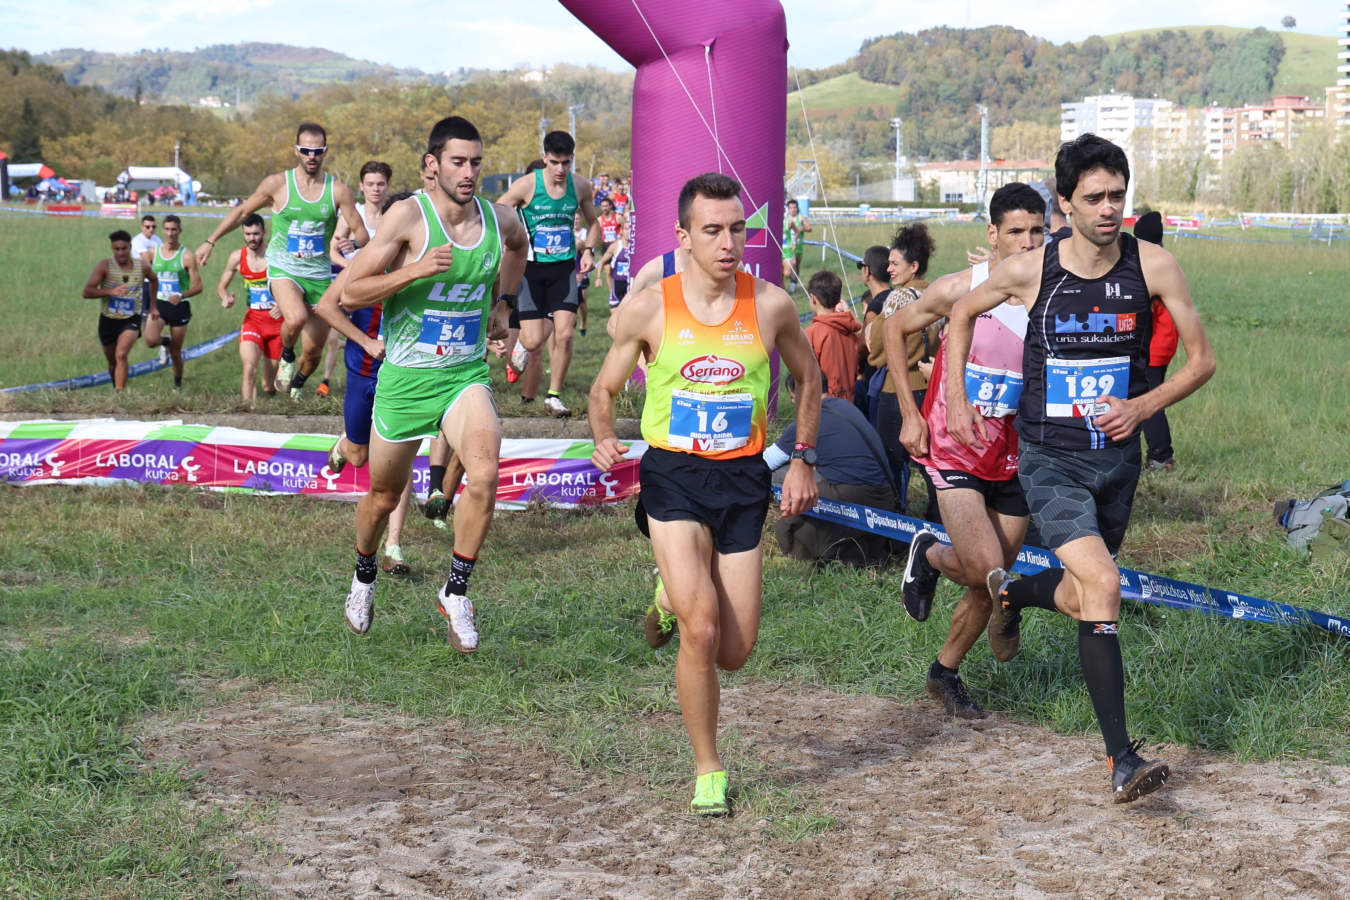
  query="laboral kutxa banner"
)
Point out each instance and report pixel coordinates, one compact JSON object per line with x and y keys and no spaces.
{"x":109,"y":451}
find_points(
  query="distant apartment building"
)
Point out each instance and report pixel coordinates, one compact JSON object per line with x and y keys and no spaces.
{"x":1116,"y":117}
{"x":959,"y":181}
{"x":1156,"y":130}
{"x":1281,"y":121}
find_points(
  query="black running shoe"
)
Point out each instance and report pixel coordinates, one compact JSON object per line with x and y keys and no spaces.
{"x":921,"y":577}
{"x":1132,"y":776}
{"x":1005,"y":624}
{"x":950,"y":691}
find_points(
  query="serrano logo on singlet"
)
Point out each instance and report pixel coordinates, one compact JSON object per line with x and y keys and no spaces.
{"x":712,"y":369}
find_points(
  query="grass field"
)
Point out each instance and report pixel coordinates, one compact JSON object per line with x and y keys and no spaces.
{"x":118,"y":606}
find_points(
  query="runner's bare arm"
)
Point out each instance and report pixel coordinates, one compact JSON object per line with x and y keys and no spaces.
{"x":263,"y":196}
{"x":92,"y":291}
{"x":1168,"y":284}
{"x":933,"y":304}
{"x":346,"y":204}
{"x":619,"y":362}
{"x":593,"y":232}
{"x":799,"y":485}
{"x":1016,"y":277}
{"x":515,"y":243}
{"x":401,"y":227}
{"x":223,"y":286}
{"x":340,"y":244}
{"x":194,"y":277}
{"x":329,"y":308}
{"x":519,"y":193}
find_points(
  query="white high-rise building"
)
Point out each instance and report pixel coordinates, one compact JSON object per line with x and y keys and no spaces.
{"x":1111,"y":116}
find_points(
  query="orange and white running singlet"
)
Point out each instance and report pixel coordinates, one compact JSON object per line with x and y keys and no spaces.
{"x":708,"y":387}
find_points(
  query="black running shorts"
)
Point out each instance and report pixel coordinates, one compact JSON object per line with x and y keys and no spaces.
{"x":729,"y":496}
{"x":1003,"y":497}
{"x":546,"y":289}
{"x":109,"y":329}
{"x":176,"y":315}
{"x":1076,"y":493}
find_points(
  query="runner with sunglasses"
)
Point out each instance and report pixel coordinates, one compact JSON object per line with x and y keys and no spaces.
{"x":305,"y":202}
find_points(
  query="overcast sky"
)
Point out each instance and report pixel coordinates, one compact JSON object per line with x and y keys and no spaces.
{"x":445,"y":35}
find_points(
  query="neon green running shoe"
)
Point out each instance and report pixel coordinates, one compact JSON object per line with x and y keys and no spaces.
{"x":710,"y":795}
{"x":658,"y":627}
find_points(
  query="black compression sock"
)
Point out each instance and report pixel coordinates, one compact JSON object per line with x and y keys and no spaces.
{"x":1035,"y":590}
{"x":1104,"y":672}
{"x":437,"y":478}
{"x":299,"y":380}
{"x":937,"y":670}
{"x":461,"y":567}
{"x":365,"y":567}
{"x":288,"y":354}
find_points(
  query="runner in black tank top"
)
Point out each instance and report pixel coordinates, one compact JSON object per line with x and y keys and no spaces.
{"x":1085,"y":337}
{"x":1084,"y":397}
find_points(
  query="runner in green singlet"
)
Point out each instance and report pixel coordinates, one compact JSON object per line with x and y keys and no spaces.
{"x":179,"y":278}
{"x":298,"y":266}
{"x":438,"y":263}
{"x":548,"y":300}
{"x":794,"y":226}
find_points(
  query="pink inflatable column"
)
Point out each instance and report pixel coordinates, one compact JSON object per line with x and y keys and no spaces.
{"x":709,"y":97}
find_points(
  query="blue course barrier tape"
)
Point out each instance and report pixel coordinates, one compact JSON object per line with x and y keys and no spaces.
{"x":1141,"y":587}
{"x":140,"y":368}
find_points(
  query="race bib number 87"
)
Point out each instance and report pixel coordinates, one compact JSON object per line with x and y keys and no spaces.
{"x":994,"y":392}
{"x":710,"y":422}
{"x":1074,"y":387}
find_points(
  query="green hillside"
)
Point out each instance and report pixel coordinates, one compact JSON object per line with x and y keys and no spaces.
{"x":1309,"y":62}
{"x":236,"y":73}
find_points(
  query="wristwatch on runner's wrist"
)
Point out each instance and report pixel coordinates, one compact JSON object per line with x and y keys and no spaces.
{"x":806,"y":453}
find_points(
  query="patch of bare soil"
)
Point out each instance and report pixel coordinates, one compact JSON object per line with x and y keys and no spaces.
{"x":924,"y":805}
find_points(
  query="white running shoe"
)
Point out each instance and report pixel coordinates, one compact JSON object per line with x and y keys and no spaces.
{"x":286,"y":374}
{"x":162,"y":356}
{"x":459,"y":611}
{"x":336,"y":461}
{"x":520,"y":357}
{"x":297,"y":393}
{"x":555,"y":408}
{"x":360,"y":607}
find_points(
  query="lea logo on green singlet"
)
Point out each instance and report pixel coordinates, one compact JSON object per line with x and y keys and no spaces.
{"x":456,"y":293}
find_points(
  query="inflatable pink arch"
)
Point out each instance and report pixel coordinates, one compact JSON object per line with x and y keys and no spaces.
{"x":708,"y":97}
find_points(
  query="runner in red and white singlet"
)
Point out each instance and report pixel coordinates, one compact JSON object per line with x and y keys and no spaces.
{"x":978,"y":493}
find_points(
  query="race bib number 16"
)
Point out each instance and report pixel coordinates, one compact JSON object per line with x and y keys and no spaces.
{"x":710,"y":422}
{"x":1074,"y":387}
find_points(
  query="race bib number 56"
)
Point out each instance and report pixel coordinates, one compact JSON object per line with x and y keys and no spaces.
{"x":710,"y":422}
{"x":1074,"y":387}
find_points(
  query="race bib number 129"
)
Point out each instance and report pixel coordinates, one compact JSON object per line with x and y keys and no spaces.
{"x":1074,"y":387}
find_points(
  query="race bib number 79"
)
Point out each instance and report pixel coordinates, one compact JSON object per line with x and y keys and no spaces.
{"x":1074,"y":387}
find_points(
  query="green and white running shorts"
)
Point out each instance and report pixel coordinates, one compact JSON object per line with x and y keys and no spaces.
{"x":311,"y":288}
{"x":410,"y":403}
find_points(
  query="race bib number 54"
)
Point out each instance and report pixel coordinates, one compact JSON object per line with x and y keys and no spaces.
{"x":1074,"y":387}
{"x":710,"y":422}
{"x":452,"y":334}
